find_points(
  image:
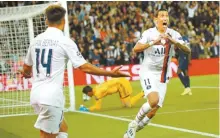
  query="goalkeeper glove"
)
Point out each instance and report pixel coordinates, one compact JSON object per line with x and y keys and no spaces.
{"x":83,"y":108}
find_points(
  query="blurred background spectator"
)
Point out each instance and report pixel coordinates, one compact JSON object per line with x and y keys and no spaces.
{"x":106,"y":32}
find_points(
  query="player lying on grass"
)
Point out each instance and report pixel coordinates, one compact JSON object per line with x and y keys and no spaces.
{"x":116,"y":85}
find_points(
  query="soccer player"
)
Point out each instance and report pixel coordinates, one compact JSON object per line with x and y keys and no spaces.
{"x":182,"y":72}
{"x":46,"y":57}
{"x":116,"y":85}
{"x":158,"y":46}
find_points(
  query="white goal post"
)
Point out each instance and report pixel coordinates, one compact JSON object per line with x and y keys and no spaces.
{"x":18,"y":26}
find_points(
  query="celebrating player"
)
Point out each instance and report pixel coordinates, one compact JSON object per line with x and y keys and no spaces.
{"x":46,"y":57}
{"x":158,"y":46}
{"x":116,"y":85}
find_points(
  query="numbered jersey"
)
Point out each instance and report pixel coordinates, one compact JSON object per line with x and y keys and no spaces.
{"x":47,"y":54}
{"x":157,"y":57}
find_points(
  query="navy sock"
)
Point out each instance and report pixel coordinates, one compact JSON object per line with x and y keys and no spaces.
{"x":187,"y":81}
{"x":182,"y":79}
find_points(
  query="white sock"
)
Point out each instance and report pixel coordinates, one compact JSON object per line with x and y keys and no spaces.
{"x":142,"y":112}
{"x":143,"y":123}
{"x":62,"y":135}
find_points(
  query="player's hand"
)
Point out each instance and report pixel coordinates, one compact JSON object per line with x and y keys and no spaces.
{"x":83,"y":108}
{"x":117,"y":73}
{"x":168,"y":36}
{"x":25,"y":75}
{"x":156,"y":41}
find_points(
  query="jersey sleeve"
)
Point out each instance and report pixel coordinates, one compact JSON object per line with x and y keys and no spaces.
{"x":73,"y":54}
{"x":144,"y":37}
{"x":28,"y":59}
{"x":96,"y":106}
{"x":179,"y":38}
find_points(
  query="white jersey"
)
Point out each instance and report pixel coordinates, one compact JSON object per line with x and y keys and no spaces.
{"x":47,"y":54}
{"x":157,"y":57}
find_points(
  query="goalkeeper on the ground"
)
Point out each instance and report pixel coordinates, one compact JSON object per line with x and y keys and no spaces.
{"x":116,"y":85}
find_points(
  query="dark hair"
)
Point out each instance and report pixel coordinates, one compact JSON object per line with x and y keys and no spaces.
{"x":54,"y":14}
{"x":157,"y":12}
{"x":87,"y":89}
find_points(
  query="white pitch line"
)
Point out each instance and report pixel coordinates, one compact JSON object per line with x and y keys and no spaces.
{"x":11,"y":100}
{"x":155,"y":125}
{"x":205,"y":87}
{"x":181,"y":111}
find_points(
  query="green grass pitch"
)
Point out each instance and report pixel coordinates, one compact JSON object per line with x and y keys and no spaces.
{"x":199,"y":112}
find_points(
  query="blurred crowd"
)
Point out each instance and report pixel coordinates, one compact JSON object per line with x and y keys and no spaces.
{"x":106,"y":32}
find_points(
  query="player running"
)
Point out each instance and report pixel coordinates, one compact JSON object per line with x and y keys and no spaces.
{"x":158,"y":46}
{"x":113,"y":86}
{"x":46,"y":57}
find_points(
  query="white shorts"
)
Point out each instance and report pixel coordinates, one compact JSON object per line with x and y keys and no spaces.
{"x":49,"y":118}
{"x":151,"y":83}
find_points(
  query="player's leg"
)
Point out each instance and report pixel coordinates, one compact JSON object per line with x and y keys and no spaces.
{"x":136,"y":98}
{"x":184,"y":77}
{"x":46,"y":135}
{"x":125,"y":91}
{"x":63,"y":130}
{"x":131,"y":101}
{"x":187,"y":89}
{"x":149,"y":86}
{"x":187,"y":79}
{"x":147,"y":118}
{"x":161,"y":88}
{"x":181,"y":77}
{"x":126,"y":101}
{"x":49,"y":121}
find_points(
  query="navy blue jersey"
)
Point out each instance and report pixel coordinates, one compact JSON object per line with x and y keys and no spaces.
{"x":183,"y":58}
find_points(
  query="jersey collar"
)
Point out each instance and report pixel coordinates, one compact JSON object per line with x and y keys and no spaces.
{"x":54,"y":30}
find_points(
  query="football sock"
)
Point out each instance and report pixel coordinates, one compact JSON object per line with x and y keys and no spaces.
{"x":143,"y":123}
{"x":136,"y":98}
{"x":182,"y":79}
{"x":187,"y":81}
{"x":62,"y":135}
{"x":142,"y":112}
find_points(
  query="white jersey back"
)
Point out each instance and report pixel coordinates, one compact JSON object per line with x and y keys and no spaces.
{"x":48,"y":54}
{"x":157,"y":57}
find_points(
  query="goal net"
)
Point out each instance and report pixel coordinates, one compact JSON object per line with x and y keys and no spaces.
{"x":18,"y":26}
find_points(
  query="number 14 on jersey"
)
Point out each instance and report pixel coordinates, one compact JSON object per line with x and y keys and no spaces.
{"x":40,"y":60}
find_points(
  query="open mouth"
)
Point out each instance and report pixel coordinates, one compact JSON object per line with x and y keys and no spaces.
{"x":164,"y":24}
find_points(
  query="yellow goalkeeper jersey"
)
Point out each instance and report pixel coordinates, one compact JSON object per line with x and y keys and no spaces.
{"x":116,"y":85}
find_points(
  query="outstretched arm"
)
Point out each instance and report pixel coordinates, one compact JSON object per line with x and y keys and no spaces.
{"x":89,"y":68}
{"x":97,"y":105}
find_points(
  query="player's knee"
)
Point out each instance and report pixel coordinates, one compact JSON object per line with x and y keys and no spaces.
{"x":154,"y":103}
{"x":153,"y":99}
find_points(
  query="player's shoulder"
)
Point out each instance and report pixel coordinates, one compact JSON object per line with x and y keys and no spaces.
{"x":172,"y":32}
{"x":150,"y":30}
{"x":67,"y":42}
